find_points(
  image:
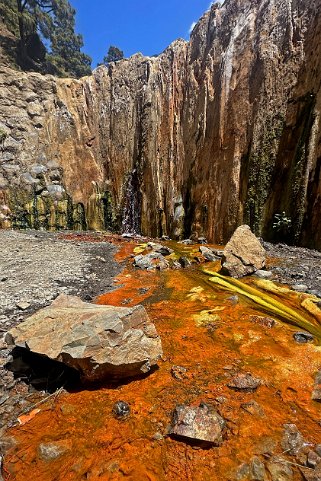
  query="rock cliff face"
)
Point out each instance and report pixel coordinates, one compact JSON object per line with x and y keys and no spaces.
{"x":215,"y":132}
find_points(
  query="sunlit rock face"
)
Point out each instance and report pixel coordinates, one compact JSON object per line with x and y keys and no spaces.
{"x":213,"y":133}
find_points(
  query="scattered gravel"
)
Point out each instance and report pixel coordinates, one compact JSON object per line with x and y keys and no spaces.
{"x":35,"y":267}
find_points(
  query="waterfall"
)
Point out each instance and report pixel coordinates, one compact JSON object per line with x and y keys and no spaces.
{"x":132,"y":205}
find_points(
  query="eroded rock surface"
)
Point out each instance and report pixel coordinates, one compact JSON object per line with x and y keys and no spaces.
{"x":100,"y":342}
{"x":212,"y":133}
{"x":243,"y":254}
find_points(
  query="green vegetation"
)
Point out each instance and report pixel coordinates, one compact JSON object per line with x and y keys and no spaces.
{"x":267,"y":303}
{"x":113,"y":55}
{"x":50,"y":22}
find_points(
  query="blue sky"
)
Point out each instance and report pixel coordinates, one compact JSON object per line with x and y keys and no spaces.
{"x":146,"y":26}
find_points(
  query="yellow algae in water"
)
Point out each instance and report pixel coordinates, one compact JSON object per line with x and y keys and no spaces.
{"x":309,"y":304}
{"x":267,"y":302}
{"x":197,"y":294}
{"x":272,"y":287}
{"x":206,"y":318}
{"x":140,"y":248}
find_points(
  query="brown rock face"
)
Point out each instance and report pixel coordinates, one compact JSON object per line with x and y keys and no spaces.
{"x":243,"y":254}
{"x":101,"y":342}
{"x":215,"y":132}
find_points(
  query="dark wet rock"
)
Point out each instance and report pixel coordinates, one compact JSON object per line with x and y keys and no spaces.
{"x":179,"y":372}
{"x":218,"y":252}
{"x":100,"y":342}
{"x":243,"y":254}
{"x":292,"y":441}
{"x":197,"y":424}
{"x":143,"y":290}
{"x":160,"y":249}
{"x":151,"y":261}
{"x":121,"y":410}
{"x":279,"y":469}
{"x":53,"y":451}
{"x":244,"y":382}
{"x":253,"y":408}
{"x":208,"y":254}
{"x":263,"y":321}
{"x":303,"y":337}
{"x":184,"y":262}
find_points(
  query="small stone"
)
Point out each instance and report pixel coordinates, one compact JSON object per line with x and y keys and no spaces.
{"x":207,"y":254}
{"x":121,"y":410}
{"x":160,"y":249}
{"x":318,"y":449}
{"x":257,"y":470}
{"x":316,"y":393}
{"x":300,"y":287}
{"x":23,"y":306}
{"x":253,"y":408}
{"x":187,"y":242}
{"x":244,"y":382}
{"x":202,"y":240}
{"x":263,"y":321}
{"x":292,"y":441}
{"x":199,"y":424}
{"x":179,"y":372}
{"x":303,"y":337}
{"x":263,"y":274}
{"x":184,"y":262}
{"x":158,"y":437}
{"x":52,"y":451}
{"x":313,"y":459}
{"x":279,"y":469}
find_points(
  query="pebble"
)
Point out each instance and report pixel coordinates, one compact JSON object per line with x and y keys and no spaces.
{"x":300,"y":287}
{"x":121,"y":410}
{"x":244,"y":382}
{"x":303,"y":337}
{"x":261,"y":274}
{"x":23,"y":306}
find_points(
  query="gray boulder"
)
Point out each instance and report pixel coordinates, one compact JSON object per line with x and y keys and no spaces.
{"x":101,"y":342}
{"x":151,"y":261}
{"x":243,"y":254}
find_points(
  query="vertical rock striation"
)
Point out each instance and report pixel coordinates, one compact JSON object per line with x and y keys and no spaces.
{"x":212,"y":133}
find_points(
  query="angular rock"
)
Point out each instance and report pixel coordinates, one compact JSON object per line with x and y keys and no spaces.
{"x":244,"y":382}
{"x":151,"y":261}
{"x":243,"y":254}
{"x":200,"y":424}
{"x":160,"y":249}
{"x":292,"y":441}
{"x":279,"y":469}
{"x":121,"y":410}
{"x":208,"y":254}
{"x":99,"y":341}
{"x":264,"y":274}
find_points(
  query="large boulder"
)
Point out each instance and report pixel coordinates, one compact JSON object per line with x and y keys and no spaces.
{"x":243,"y":254}
{"x":101,"y":342}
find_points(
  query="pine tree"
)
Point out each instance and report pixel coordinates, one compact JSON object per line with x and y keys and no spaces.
{"x":34,"y":21}
{"x":65,"y":54}
{"x":113,"y":55}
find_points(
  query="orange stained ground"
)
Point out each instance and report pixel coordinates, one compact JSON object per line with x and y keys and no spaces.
{"x":204,"y":330}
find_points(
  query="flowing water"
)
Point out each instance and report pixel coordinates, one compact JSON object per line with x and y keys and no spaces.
{"x":213,"y":335}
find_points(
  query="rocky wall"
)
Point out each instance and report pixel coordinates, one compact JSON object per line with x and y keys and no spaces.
{"x":212,"y":133}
